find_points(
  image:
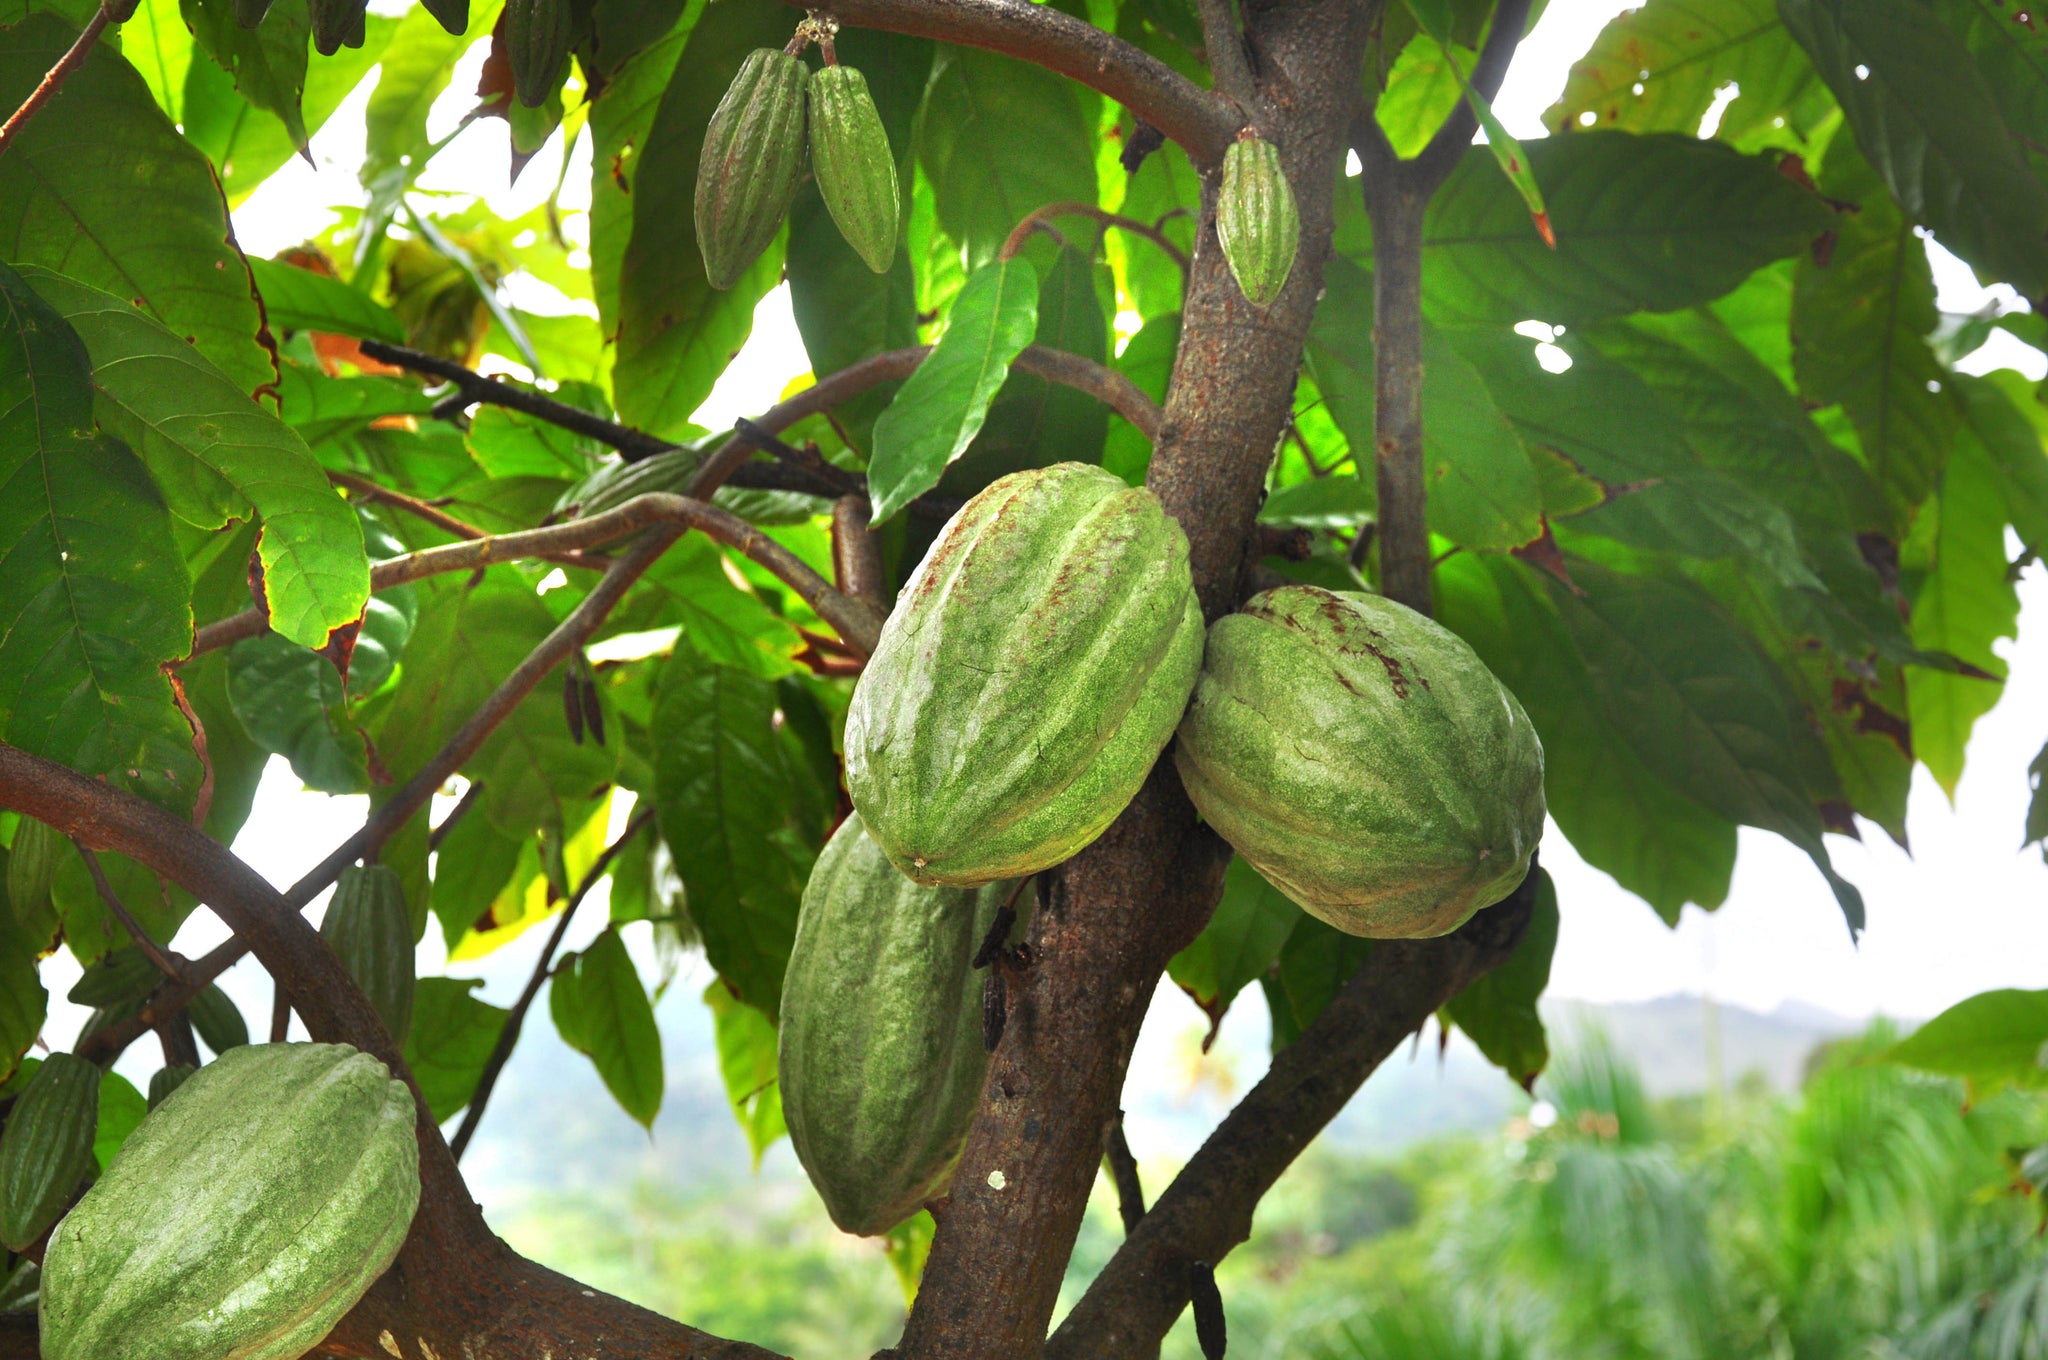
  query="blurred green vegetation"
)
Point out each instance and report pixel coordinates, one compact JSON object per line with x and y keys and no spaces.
{"x":1877,"y":1214}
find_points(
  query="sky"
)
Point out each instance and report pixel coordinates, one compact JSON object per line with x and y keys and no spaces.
{"x":1965,"y":911}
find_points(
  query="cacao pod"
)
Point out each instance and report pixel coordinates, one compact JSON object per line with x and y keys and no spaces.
{"x":244,"y":1216}
{"x":536,"y":39}
{"x":614,"y":483}
{"x":880,"y":1055}
{"x":218,"y":1021}
{"x":370,"y":931}
{"x":1034,"y":667}
{"x":1256,"y":221}
{"x":167,"y":1080}
{"x":115,"y":978}
{"x":752,"y":161}
{"x":337,"y":24}
{"x":30,"y":863}
{"x":452,"y":15}
{"x":855,"y":171}
{"x":1364,"y":760}
{"x":47,"y":1147}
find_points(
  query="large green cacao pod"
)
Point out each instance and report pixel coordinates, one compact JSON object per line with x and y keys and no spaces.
{"x":536,"y":39}
{"x":850,"y":157}
{"x":47,"y":1147}
{"x":217,"y":1019}
{"x":370,"y":931}
{"x":117,"y":976}
{"x":881,"y":1058}
{"x":752,"y":162}
{"x":1364,"y":760}
{"x":1034,"y":667}
{"x":1256,"y":220}
{"x":337,"y":24}
{"x":244,"y":1216}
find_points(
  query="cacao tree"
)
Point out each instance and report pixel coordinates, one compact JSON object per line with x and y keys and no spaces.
{"x":1178,"y":553}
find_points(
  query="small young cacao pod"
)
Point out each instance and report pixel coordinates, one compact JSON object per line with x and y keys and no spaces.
{"x":47,"y":1147}
{"x":116,"y":977}
{"x":243,"y":1217}
{"x":337,"y":24}
{"x":30,"y":862}
{"x":536,"y":38}
{"x":218,"y":1021}
{"x":752,"y":161}
{"x":167,"y":1080}
{"x":880,"y":1058}
{"x":1364,"y":759}
{"x":1256,"y":221}
{"x":370,"y":931}
{"x":850,"y":157}
{"x":1034,"y":667}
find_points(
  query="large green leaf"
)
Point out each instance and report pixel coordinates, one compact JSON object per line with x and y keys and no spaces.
{"x":1242,"y":940}
{"x":746,"y":1060}
{"x":23,"y":999}
{"x":1165,"y":193}
{"x":675,"y":332}
{"x":93,"y":594}
{"x":133,"y":209}
{"x":727,"y":799}
{"x":1659,"y":67}
{"x":1989,"y":1039}
{"x":1926,"y":117}
{"x":298,"y":300}
{"x":415,"y":67}
{"x":268,"y":62}
{"x":215,"y":453}
{"x":1965,"y":604}
{"x":1423,"y":87}
{"x":157,"y":43}
{"x":451,"y":1038}
{"x":1650,"y":222}
{"x":2012,"y":424}
{"x":602,"y":1012}
{"x":1859,"y":327}
{"x":1000,"y":139}
{"x":620,"y":115}
{"x":941,"y":407}
{"x":1315,"y":963}
{"x":1498,"y":1012}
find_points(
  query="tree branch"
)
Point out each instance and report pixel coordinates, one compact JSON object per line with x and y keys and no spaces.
{"x":1201,"y":121}
{"x":73,"y":58}
{"x":164,"y":963}
{"x":1037,"y":218}
{"x":441,"y":519}
{"x":1433,"y":165}
{"x":508,"y":1034}
{"x":1229,"y":69}
{"x":1208,"y":1208}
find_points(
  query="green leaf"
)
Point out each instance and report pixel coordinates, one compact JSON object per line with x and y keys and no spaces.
{"x":2037,"y":803}
{"x":93,"y":593}
{"x":1167,"y":193}
{"x":1989,"y":1040}
{"x":156,"y":42}
{"x":1651,"y":222}
{"x":1423,"y":87}
{"x":134,"y":211}
{"x":23,"y":1000}
{"x":619,"y":124}
{"x":746,"y":1059}
{"x":2006,"y":416}
{"x":219,"y":453}
{"x":1435,"y":18}
{"x":1338,"y":501}
{"x":1147,"y":361}
{"x":300,"y":300}
{"x":1860,"y":326}
{"x":689,"y":587}
{"x":1925,"y":116}
{"x":999,"y":139}
{"x":1659,"y":67}
{"x":908,"y":1246}
{"x":603,"y":1013}
{"x":676,"y":333}
{"x":1242,"y":940}
{"x":414,"y":69}
{"x":121,"y":1110}
{"x":473,"y":866}
{"x":451,"y":1039}
{"x":727,"y":801}
{"x":941,"y":406}
{"x":268,"y":62}
{"x":1315,"y":963}
{"x":1498,"y":1012}
{"x":1964,"y":605}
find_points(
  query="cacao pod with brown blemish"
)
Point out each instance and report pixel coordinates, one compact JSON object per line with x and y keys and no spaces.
{"x":536,"y":42}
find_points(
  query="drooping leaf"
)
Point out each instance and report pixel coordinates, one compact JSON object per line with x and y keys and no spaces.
{"x":268,"y":62}
{"x":1147,"y":361}
{"x":415,"y":68}
{"x":451,"y":1038}
{"x":1424,"y":86}
{"x":217,"y":453}
{"x":602,"y":1012}
{"x":2006,"y":417}
{"x":1315,"y":963}
{"x":121,"y":1110}
{"x":301,"y":300}
{"x":1436,"y":20}
{"x":746,"y":1060}
{"x":1498,"y":1012}
{"x":1989,"y":1040}
{"x":619,"y":123}
{"x":1241,"y":941}
{"x":473,"y":866}
{"x":23,"y":999}
{"x":93,"y":595}
{"x":157,"y":43}
{"x":942,"y":406}
{"x":1925,"y":116}
{"x":133,"y":210}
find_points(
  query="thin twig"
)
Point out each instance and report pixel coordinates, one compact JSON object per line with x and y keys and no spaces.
{"x":1123,"y":1170}
{"x":73,"y":58}
{"x":455,"y":815}
{"x":164,"y":963}
{"x":441,"y":519}
{"x":478,"y":388}
{"x":1040,"y":216}
{"x":508,"y":1034}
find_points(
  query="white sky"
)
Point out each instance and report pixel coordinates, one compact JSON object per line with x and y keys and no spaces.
{"x":1966,"y":911}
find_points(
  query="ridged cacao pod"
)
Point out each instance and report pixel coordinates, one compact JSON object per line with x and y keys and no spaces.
{"x":881,"y":1061}
{"x":167,"y":1080}
{"x":244,"y":1216}
{"x":1256,"y":220}
{"x":116,"y":977}
{"x":337,"y":24}
{"x":370,"y":931}
{"x":1364,"y":760}
{"x":1034,"y":667}
{"x":752,"y":162}
{"x":30,"y":862}
{"x":218,"y":1021}
{"x":536,"y":38}
{"x":47,"y":1147}
{"x":612,"y":484}
{"x":855,"y":171}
